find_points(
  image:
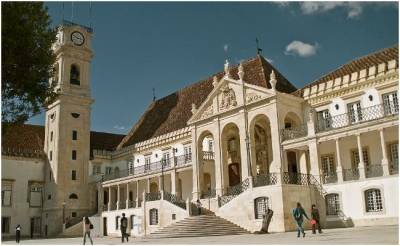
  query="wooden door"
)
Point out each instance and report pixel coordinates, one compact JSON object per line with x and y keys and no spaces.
{"x":234,"y":174}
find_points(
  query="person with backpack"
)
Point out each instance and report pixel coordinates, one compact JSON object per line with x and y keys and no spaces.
{"x":124,"y":226}
{"x":17,"y":233}
{"x":298,"y":213}
{"x":87,"y":226}
{"x":315,"y":219}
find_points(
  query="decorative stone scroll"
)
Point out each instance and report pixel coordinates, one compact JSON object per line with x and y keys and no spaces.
{"x":252,"y":97}
{"x":208,"y":112}
{"x":228,"y":98}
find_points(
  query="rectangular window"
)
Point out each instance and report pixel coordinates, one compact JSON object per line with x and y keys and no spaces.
{"x":147,"y":163}
{"x":324,"y":119}
{"x":328,"y":166}
{"x":6,"y":195}
{"x":5,"y":224}
{"x":74,"y":155}
{"x":390,"y":103}
{"x":51,"y":136}
{"x":74,"y":135}
{"x":394,"y":153}
{"x":355,"y":158}
{"x":108,"y":170}
{"x":73,"y":214}
{"x":73,"y":175}
{"x":117,"y":223}
{"x":35,"y":195}
{"x":96,"y":169}
{"x":373,"y":200}
{"x":211,"y":145}
{"x":332,"y":204}
{"x":166,"y":158}
{"x":51,"y":155}
{"x":153,"y":216}
{"x":187,"y":150}
{"x":355,"y":113}
{"x":131,"y":167}
{"x":261,"y":204}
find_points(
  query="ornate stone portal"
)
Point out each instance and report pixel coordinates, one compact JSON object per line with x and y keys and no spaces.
{"x":228,"y":98}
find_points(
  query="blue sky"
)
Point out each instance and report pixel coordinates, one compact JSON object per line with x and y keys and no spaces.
{"x":168,"y":46}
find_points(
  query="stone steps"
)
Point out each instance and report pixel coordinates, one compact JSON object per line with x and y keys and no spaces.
{"x":199,"y":226}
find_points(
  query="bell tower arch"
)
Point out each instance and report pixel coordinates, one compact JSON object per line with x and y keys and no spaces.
{"x":67,"y":130}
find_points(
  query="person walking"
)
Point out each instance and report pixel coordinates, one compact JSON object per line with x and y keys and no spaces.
{"x":17,"y":233}
{"x":298,"y":213}
{"x":87,"y":226}
{"x":198,"y":204}
{"x":315,"y":217}
{"x":124,"y":226}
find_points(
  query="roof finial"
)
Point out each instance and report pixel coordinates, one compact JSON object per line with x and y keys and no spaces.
{"x":272,"y":80}
{"x":215,"y":81}
{"x":241,"y":71}
{"x":226,"y":68}
{"x":154,"y":94}
{"x":194,"y":110}
{"x":259,"y":50}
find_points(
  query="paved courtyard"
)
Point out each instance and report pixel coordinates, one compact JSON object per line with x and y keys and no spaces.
{"x":362,"y":235}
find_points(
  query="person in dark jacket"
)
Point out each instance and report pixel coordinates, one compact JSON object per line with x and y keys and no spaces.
{"x":315,"y":216}
{"x":298,"y":213}
{"x":198,"y":204}
{"x":124,"y":226}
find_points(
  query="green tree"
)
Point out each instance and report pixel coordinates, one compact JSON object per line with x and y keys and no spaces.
{"x":27,"y":60}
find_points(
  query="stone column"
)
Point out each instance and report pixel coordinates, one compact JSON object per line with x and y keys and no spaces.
{"x":100,"y":198}
{"x":109,"y":198}
{"x":276,"y":165}
{"x":118,"y":196}
{"x":303,"y":161}
{"x":361,"y":164}
{"x":137,"y":194}
{"x":243,"y":151}
{"x":148,"y":185}
{"x":127,"y":195}
{"x":174,"y":179}
{"x":195,"y":165}
{"x":339,"y":167}
{"x":385,"y":161}
{"x":314,"y":159}
{"x":218,"y":162}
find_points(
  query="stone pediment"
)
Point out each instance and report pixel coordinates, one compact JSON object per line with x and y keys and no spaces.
{"x":227,"y":95}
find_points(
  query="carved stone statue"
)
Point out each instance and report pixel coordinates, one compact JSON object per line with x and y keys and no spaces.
{"x":215,"y":81}
{"x":241,"y":71}
{"x":194,"y":110}
{"x":272,"y":80}
{"x":226,"y":68}
{"x":228,"y":98}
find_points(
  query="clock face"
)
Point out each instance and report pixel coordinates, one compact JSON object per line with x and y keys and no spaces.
{"x":77,"y":38}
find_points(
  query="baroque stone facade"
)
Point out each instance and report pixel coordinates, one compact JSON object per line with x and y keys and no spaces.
{"x":242,"y":140}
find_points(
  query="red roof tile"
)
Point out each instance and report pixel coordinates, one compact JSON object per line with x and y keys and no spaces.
{"x":373,"y":59}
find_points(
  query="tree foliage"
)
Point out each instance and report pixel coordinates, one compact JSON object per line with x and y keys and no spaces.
{"x":27,"y":60}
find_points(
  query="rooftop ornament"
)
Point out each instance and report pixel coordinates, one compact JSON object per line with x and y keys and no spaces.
{"x":273,"y":81}
{"x":194,"y":108}
{"x":215,"y":81}
{"x":241,"y":71}
{"x":226,"y":69}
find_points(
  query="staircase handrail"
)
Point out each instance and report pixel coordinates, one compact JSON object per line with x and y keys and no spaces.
{"x":233,"y":192}
{"x":172,"y":198}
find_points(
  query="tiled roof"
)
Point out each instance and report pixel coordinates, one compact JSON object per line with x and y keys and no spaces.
{"x":28,"y":140}
{"x":373,"y":59}
{"x":173,"y":111}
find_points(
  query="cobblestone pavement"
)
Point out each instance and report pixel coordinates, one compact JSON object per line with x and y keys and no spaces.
{"x":361,"y":235}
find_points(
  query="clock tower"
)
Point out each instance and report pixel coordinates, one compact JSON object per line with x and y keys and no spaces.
{"x":67,"y":131}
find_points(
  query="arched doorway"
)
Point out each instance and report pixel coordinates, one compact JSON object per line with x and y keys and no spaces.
{"x":261,"y":145}
{"x":231,"y":155}
{"x":206,"y":150}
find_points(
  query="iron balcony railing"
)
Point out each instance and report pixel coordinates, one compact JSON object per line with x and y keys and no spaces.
{"x":296,"y":178}
{"x":355,"y":117}
{"x":172,"y":198}
{"x":372,"y":171}
{"x":208,"y":155}
{"x":211,"y":193}
{"x":232,"y":192}
{"x":153,"y":196}
{"x":329,"y":177}
{"x":265,"y":179}
{"x":122,"y":205}
{"x":113,"y":206}
{"x":153,"y":167}
{"x":351,"y":174}
{"x":131,"y":204}
{"x":105,"y":207}
{"x":294,"y":132}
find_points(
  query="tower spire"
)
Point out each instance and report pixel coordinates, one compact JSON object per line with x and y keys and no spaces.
{"x":154,"y":94}
{"x":259,"y":50}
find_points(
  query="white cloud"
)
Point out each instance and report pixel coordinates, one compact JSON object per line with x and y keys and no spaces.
{"x":301,"y":49}
{"x":119,"y":127}
{"x":226,"y":47}
{"x":353,"y":9}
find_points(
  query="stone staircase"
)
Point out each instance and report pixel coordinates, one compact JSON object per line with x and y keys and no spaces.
{"x":199,"y":226}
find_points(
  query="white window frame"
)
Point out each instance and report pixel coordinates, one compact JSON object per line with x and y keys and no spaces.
{"x":7,"y":188}
{"x":355,"y":112}
{"x":373,"y":200}
{"x":332,"y":199}
{"x":390,"y":103}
